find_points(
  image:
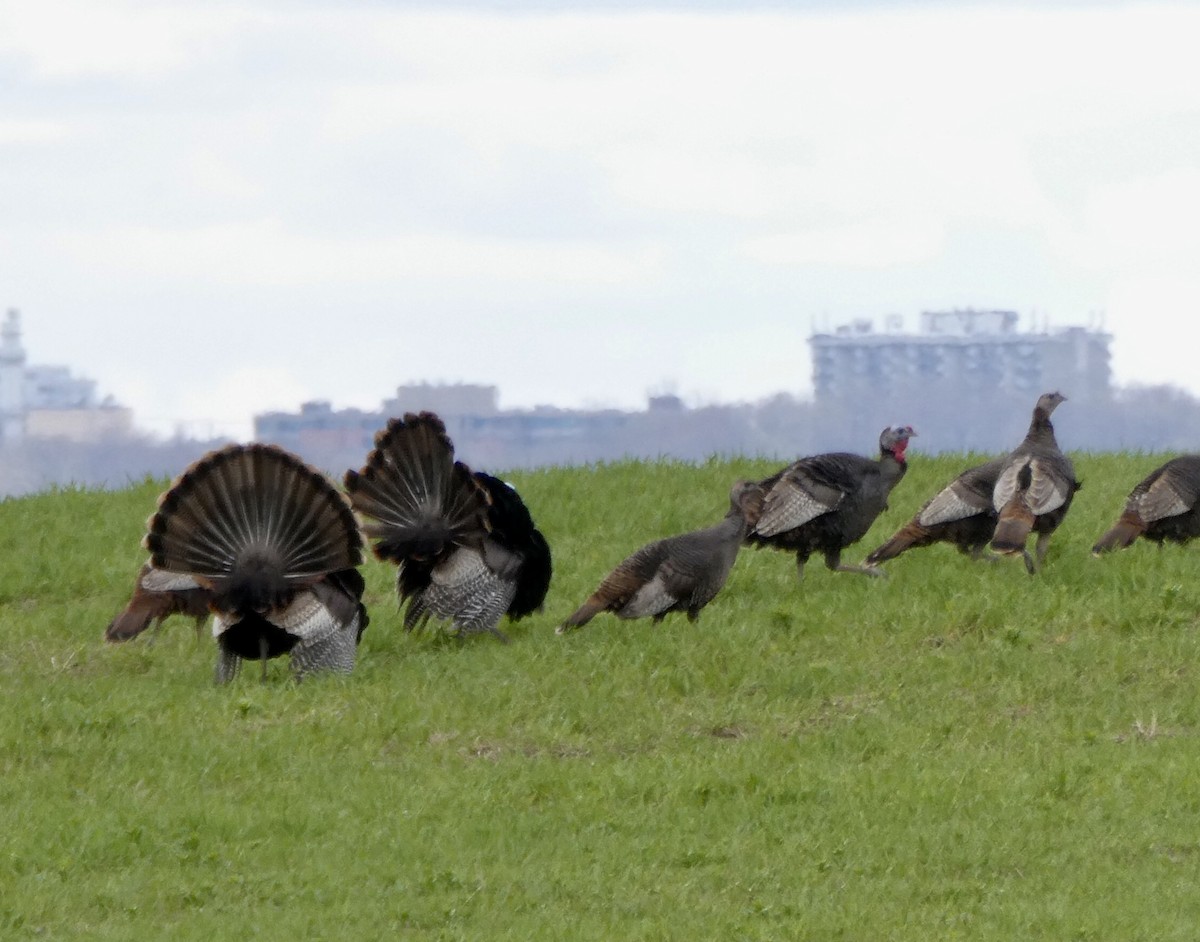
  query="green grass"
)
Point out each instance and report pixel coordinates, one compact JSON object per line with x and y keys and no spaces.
{"x":957,"y":752}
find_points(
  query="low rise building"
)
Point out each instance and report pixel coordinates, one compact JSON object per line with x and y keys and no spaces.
{"x":49,"y":402}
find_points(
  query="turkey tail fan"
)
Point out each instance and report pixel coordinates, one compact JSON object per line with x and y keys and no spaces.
{"x":252,"y":521}
{"x":908,"y":536}
{"x":1012,"y":529}
{"x":417,"y":498}
{"x":513,"y":528}
{"x":1123,"y":533}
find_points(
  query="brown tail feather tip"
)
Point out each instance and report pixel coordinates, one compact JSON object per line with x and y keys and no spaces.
{"x":127,"y":626}
{"x":890,"y":550}
{"x":1119,"y":537}
{"x":1012,"y":529}
{"x":585,"y":613}
{"x":902,"y":540}
{"x":1010,"y":536}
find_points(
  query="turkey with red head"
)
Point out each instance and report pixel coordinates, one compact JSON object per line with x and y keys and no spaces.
{"x":824,"y":503}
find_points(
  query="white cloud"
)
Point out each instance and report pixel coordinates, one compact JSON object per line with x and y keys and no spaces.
{"x":219,"y":176}
{"x":875,"y":243}
{"x":631,"y":177}
{"x":264,"y":252}
{"x":32,"y":132}
{"x":70,"y":39}
{"x":1148,"y":222}
{"x":223,"y":398}
{"x":1156,"y":313}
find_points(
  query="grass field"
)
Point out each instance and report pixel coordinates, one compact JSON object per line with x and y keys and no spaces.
{"x":959,"y":751}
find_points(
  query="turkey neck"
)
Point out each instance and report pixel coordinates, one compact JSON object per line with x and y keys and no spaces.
{"x":730,"y":532}
{"x":891,"y":468}
{"x":1041,"y":432}
{"x":735,"y":525}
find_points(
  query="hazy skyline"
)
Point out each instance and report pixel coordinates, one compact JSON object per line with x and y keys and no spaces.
{"x":219,"y":208}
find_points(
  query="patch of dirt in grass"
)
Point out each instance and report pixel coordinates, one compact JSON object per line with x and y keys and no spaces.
{"x":733,"y":731}
{"x":1018,"y":712}
{"x":494,"y":751}
{"x":485,"y":750}
{"x":1178,"y":853}
{"x":833,"y":711}
{"x":556,"y":750}
{"x":1149,"y":730}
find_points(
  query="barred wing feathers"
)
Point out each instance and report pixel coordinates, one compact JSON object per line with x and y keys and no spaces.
{"x":807,"y":489}
{"x":966,"y":496}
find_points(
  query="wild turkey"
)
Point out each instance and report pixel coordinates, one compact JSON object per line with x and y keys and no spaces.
{"x":824,"y":503}
{"x":465,"y":543}
{"x":158,"y":595}
{"x":277,"y":546}
{"x":961,"y":513}
{"x":1035,"y":488}
{"x":1164,"y":506}
{"x":679,"y":574}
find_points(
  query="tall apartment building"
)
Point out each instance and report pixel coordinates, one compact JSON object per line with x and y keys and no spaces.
{"x":960,"y":349}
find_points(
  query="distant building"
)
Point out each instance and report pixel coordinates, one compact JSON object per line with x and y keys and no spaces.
{"x":317,"y":428}
{"x":92,"y":424}
{"x":12,"y":379}
{"x":445,"y":399}
{"x":960,"y":350}
{"x":48,"y":402}
{"x":482,"y":432}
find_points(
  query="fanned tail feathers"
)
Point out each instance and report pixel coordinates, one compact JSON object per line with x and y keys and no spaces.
{"x":417,"y":498}
{"x":253,"y":522}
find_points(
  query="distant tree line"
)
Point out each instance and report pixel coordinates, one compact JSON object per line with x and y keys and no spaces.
{"x":1136,"y":418}
{"x":39,"y":464}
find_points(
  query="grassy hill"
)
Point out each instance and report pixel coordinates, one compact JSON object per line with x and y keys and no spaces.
{"x":957,"y":752}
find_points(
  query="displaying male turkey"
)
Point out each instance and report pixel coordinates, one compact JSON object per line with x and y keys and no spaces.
{"x":1164,"y":506}
{"x":465,"y":543}
{"x":1035,"y":487}
{"x":678,"y":574}
{"x":961,"y":514}
{"x":158,"y":595}
{"x":276,"y":546}
{"x":824,"y":503}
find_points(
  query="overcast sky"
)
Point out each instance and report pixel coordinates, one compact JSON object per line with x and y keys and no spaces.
{"x":217,"y":208}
